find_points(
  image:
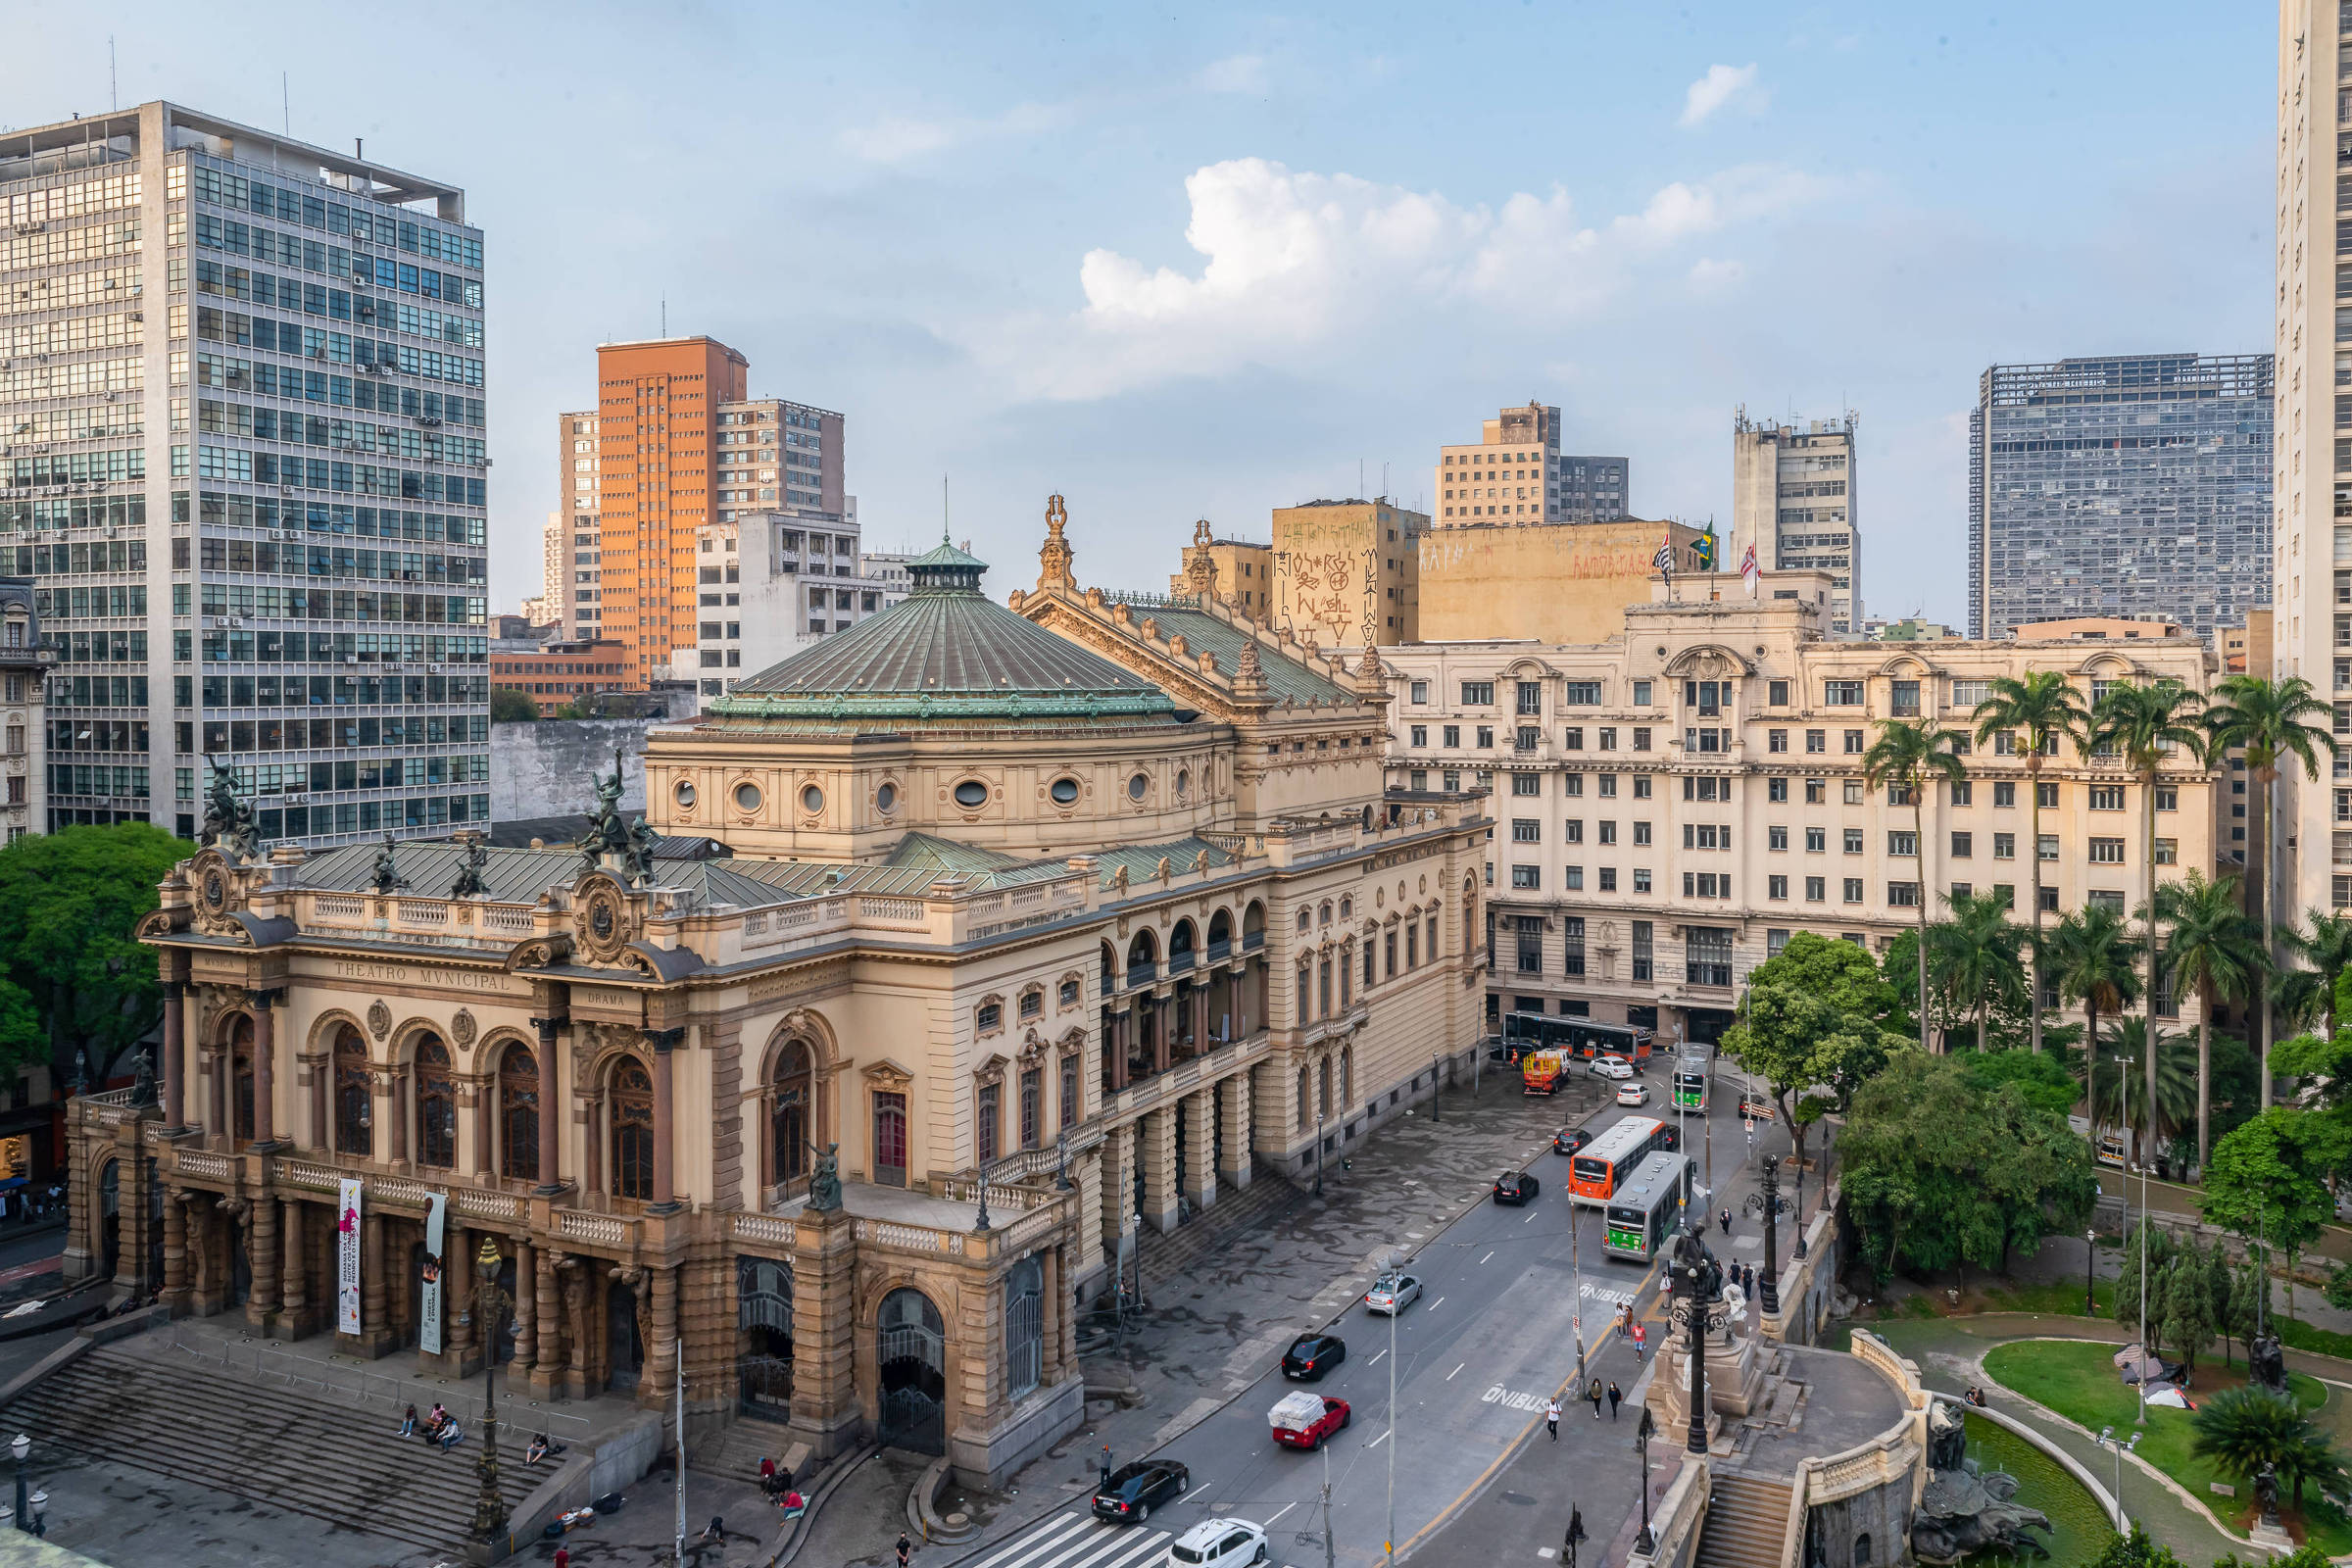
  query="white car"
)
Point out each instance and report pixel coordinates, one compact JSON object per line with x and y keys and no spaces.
{"x":1633,"y":1094}
{"x":1392,"y":1294}
{"x":1610,"y":1067}
{"x":1219,"y":1544}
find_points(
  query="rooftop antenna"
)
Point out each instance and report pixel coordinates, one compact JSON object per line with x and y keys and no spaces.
{"x":665,"y":316}
{"x":942,"y":508}
{"x":285,"y":102}
{"x":1383,"y":479}
{"x":358,"y":149}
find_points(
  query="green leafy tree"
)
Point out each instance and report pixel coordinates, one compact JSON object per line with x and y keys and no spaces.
{"x":2041,"y":1079}
{"x":70,"y":902}
{"x":2276,"y":722}
{"x":2232,"y":1303}
{"x":1938,"y":1173}
{"x":2044,"y":706}
{"x":2136,"y":1550}
{"x":2190,"y":1320}
{"x":2149,"y":1243}
{"x":2122,"y":1095}
{"x":1813,"y":1016}
{"x":2212,"y":943}
{"x":509,"y":706}
{"x":1972,"y":960}
{"x":2092,"y":957}
{"x":2147,"y":724}
{"x":2264,"y":1183}
{"x":1910,"y":758}
{"x":2303,"y":995}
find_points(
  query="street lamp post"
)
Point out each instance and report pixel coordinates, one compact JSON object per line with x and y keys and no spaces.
{"x":2139,"y":1385}
{"x":1390,"y":1539}
{"x":1767,"y":1201}
{"x":2091,"y":1262}
{"x":1645,"y":1542}
{"x":1433,"y":1086}
{"x":490,"y":1306}
{"x":1319,"y":1153}
{"x":1576,"y":1533}
{"x":22,"y":1446}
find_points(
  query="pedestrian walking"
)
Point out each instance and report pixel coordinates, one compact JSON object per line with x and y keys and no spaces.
{"x":1594,"y":1393}
{"x":1616,"y":1397}
{"x":1726,"y":1219}
{"x":1552,"y":1419}
{"x":1640,"y":1343}
{"x":1748,"y":1280}
{"x":906,"y":1549}
{"x":563,"y":1557}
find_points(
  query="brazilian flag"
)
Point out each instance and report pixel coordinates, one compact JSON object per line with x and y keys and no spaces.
{"x":1703,"y":549}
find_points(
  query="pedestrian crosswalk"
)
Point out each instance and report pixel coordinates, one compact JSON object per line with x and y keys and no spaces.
{"x":1074,"y":1539}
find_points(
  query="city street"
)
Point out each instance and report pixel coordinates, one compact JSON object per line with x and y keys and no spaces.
{"x":1491,"y":1339}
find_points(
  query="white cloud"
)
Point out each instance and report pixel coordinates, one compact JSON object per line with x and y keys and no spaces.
{"x":1717,"y":89}
{"x":899,"y":139}
{"x":1298,"y":265}
{"x":1235,"y":74}
{"x":1708,"y":276}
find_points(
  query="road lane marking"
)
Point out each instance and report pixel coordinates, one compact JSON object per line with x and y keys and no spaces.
{"x":1488,"y":1255}
{"x":1449,"y":1377}
{"x":1032,"y":1547}
{"x":1529,"y":1220}
{"x":1122,"y":1550}
{"x":1375,"y":1362}
{"x":1440,"y":1302}
{"x":1278,"y":1513}
{"x":1376,"y":1443}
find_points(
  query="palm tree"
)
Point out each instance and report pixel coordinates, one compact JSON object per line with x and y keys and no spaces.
{"x":2271,"y":720}
{"x":2326,"y":946}
{"x":2243,"y":1429}
{"x":2125,"y":1095}
{"x":2094,"y":956}
{"x":2042,"y":703}
{"x":2215,"y":946}
{"x":1909,"y":756}
{"x":2145,"y":724}
{"x":1973,"y":957}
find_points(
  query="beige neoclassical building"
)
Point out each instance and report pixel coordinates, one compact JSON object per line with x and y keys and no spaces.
{"x":1039,"y":923}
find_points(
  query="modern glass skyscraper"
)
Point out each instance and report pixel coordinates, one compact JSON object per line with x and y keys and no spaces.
{"x":2135,"y":485}
{"x":241,"y":457}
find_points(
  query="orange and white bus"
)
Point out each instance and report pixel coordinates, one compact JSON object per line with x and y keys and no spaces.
{"x":1595,"y":1170}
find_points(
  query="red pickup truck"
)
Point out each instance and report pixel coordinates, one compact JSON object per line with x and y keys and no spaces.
{"x":1303,"y":1420}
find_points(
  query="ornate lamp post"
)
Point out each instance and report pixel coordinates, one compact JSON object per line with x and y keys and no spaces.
{"x":1768,"y":1204}
{"x":22,"y":1446}
{"x":490,"y":1307}
{"x":1698,"y":1285}
{"x":1645,"y":1542}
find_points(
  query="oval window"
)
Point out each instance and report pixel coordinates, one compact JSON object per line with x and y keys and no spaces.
{"x":886,"y":796}
{"x":1066,"y":792}
{"x":684,"y":795}
{"x":1136,"y":787}
{"x":1184,"y":783}
{"x":971,"y":795}
{"x":813,"y":800}
{"x":747,"y":796}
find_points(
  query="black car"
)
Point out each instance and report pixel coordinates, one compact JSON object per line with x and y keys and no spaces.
{"x":1135,"y":1489}
{"x":1310,"y":1356}
{"x":1568,"y":1140}
{"x":1515,"y":1186}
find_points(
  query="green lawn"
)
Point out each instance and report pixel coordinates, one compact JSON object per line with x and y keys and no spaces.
{"x":2078,"y":1380}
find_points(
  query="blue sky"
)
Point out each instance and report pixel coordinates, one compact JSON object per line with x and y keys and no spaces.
{"x":1205,"y":261}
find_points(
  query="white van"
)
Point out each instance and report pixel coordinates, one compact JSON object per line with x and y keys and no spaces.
{"x":1219,"y":1544}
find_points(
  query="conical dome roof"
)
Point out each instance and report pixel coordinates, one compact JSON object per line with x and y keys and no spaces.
{"x":945,"y":652}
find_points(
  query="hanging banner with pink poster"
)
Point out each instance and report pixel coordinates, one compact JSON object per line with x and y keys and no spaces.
{"x":429,"y":1333}
{"x":347,"y":1260}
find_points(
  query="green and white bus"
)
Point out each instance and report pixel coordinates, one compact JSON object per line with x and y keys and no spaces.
{"x":1647,"y":1208}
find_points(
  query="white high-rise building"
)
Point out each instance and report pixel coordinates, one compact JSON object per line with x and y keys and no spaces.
{"x":1793,"y":497}
{"x":241,"y":459}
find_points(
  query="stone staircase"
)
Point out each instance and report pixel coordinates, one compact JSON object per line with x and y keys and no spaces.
{"x":1747,"y":1522}
{"x":338,"y":1462}
{"x":744,"y":1441}
{"x":1166,"y":1256}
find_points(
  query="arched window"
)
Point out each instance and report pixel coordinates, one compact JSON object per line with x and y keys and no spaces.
{"x":1306,"y":993}
{"x":1140,"y":955}
{"x":519,"y":1114}
{"x":1302,"y":1100}
{"x":1862,"y":1550}
{"x":1305,"y":919}
{"x":632,"y":1130}
{"x":1025,"y":1326}
{"x":1110,"y":979}
{"x":790,"y":1126}
{"x":436,"y":1106}
{"x":1220,"y":935}
{"x":1254,"y":925}
{"x":1180,"y":946}
{"x":240,"y":1071}
{"x":353,"y":1131}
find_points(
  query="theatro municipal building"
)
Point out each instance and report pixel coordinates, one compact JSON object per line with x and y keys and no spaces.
{"x":961,"y":943}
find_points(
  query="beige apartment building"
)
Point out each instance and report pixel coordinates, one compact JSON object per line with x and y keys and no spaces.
{"x":1671,"y":803}
{"x":573,"y":547}
{"x":2311,"y":477}
{"x":1243,"y":577}
{"x":1515,"y":475}
{"x":1348,"y":573}
{"x":1793,"y":498}
{"x":1038,"y":920}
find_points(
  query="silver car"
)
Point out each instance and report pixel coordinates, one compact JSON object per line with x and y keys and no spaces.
{"x":1392,"y":1294}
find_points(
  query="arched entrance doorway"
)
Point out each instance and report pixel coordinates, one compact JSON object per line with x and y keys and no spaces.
{"x":764,"y":1337}
{"x":627,"y":1350}
{"x":911,"y":1349}
{"x":110,"y":1220}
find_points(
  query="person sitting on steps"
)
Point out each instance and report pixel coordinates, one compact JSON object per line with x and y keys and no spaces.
{"x":408,"y":1423}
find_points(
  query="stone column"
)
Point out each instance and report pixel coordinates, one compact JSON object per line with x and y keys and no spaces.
{"x":1159,"y":1168}
{"x":263,"y":1253}
{"x":551,"y":1105}
{"x":664,"y":1043}
{"x":175,"y":1252}
{"x":375,"y":1338}
{"x":1056,"y":1305}
{"x":1115,"y":1041}
{"x":1117,"y":1186}
{"x":294,"y":1320}
{"x":135,"y":1229}
{"x":457,"y":1282}
{"x":825,"y":1409}
{"x":527,"y":1302}
{"x":1233,"y":1106}
{"x":548,"y":1360}
{"x":1200,"y":1146}
{"x":573,"y":1279}
{"x":659,"y":1385}
{"x":176,"y":1067}
{"x":265,"y":1068}
{"x":485,"y":1115}
{"x":398,"y":1103}
{"x":1163,"y":1014}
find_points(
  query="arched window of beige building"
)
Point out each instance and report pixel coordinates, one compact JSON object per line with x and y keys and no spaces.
{"x":519,"y":1113}
{"x":1302,"y":1100}
{"x":1254,"y":926}
{"x":1220,"y":936}
{"x":1307,"y":992}
{"x":436,"y":1106}
{"x":791,"y":1113}
{"x":632,"y":1110}
{"x":240,"y":1073}
{"x":353,"y":1131}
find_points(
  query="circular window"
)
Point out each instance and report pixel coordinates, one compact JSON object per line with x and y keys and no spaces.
{"x":1184,"y":783}
{"x":747,"y":796}
{"x":684,"y":795}
{"x":1136,"y":787}
{"x":886,"y":796}
{"x":813,"y":800}
{"x":1064,"y":792}
{"x":971,"y":795}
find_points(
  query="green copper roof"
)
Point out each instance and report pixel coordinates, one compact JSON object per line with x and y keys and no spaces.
{"x":1204,"y":633}
{"x":945,"y":652}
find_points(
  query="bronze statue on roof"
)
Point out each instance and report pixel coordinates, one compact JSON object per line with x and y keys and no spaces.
{"x":228,"y":823}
